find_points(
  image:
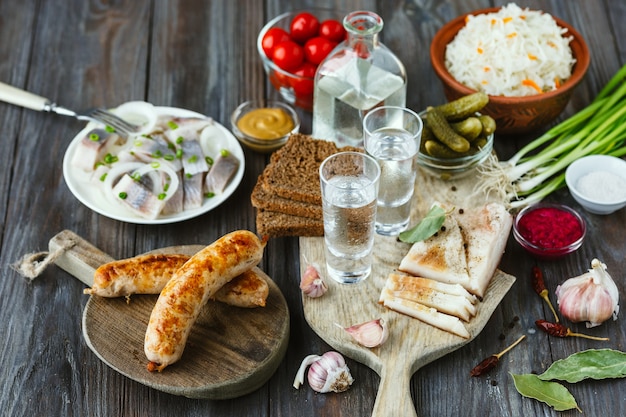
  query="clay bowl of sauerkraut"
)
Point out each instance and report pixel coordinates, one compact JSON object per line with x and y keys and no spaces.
{"x":527,"y":61}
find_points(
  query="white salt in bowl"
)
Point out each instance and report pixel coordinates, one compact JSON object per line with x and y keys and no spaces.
{"x":598,"y":183}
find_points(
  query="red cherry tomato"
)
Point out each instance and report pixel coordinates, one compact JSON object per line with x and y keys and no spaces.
{"x":273,"y":37}
{"x":304,"y":87}
{"x":317,"y":48}
{"x":304,"y":26}
{"x":333,"y":30}
{"x":288,"y":55}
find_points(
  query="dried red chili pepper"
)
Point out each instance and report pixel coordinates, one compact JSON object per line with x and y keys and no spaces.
{"x":560,"y":330}
{"x":490,"y":362}
{"x":540,"y":288}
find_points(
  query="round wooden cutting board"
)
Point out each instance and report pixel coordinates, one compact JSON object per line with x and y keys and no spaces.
{"x":231,"y":351}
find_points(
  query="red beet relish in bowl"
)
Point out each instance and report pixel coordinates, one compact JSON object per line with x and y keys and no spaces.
{"x":549,"y":231}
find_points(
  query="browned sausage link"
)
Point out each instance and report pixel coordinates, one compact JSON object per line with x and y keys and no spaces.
{"x":247,"y":290}
{"x":143,"y":274}
{"x":148,"y":274}
{"x":180,"y":302}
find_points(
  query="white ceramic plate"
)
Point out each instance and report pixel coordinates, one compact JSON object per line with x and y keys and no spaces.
{"x":93,"y":197}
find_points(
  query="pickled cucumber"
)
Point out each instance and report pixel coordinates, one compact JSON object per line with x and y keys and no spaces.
{"x":470,"y":128}
{"x":464,"y":107}
{"x":442,"y":130}
{"x":437,"y":149}
{"x":488,"y":124}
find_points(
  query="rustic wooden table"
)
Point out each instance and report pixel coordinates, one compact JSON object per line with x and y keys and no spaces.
{"x":201,"y":55}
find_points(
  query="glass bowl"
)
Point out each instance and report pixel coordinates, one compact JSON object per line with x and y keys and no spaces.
{"x":295,"y":89}
{"x":454,"y":168}
{"x":609,"y":197}
{"x":549,"y":231}
{"x":272,"y":127}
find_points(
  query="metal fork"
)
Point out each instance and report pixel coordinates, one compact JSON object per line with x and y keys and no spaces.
{"x":14,"y":95}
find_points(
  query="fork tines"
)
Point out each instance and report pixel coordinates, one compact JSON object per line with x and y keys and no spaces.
{"x":110,"y":119}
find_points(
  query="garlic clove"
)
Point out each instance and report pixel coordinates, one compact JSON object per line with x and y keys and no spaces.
{"x":592,"y":297}
{"x":369,"y":334}
{"x":312,"y":284}
{"x":327,"y":373}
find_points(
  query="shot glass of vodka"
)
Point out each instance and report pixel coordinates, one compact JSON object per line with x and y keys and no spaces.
{"x":392,"y":136}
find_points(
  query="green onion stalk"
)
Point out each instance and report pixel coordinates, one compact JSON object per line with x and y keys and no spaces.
{"x":538,"y":169}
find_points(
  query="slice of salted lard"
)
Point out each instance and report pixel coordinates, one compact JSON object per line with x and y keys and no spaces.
{"x":485,"y":230}
{"x":440,"y":257}
{"x":428,"y":315}
{"x":431,"y":294}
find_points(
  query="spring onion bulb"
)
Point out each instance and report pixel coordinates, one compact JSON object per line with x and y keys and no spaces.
{"x":538,"y":169}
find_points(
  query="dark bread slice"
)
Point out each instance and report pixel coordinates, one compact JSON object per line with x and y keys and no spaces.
{"x":275,"y":224}
{"x":293,"y":171}
{"x":264,"y":200}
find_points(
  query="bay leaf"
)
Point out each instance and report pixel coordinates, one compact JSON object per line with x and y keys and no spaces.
{"x":427,"y":227}
{"x":551,"y":393}
{"x":592,"y":363}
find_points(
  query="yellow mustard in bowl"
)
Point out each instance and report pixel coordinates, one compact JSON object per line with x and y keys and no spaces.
{"x":266,"y":123}
{"x":264,"y":126}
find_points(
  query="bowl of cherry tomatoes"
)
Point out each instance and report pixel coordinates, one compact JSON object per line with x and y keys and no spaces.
{"x":293,"y":44}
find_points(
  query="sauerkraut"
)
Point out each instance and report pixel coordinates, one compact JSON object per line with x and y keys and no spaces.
{"x":513,"y":52}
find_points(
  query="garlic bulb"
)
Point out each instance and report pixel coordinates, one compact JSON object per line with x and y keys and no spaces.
{"x":327,"y":373}
{"x":592,"y":297}
{"x":369,"y":334}
{"x":312,"y":284}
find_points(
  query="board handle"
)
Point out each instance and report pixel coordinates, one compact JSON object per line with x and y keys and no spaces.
{"x":394,"y":392}
{"x":79,"y":258}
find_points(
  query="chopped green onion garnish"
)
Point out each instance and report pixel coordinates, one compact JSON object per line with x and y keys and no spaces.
{"x":162,"y":196}
{"x":209,"y":160}
{"x":172,"y":125}
{"x":210,"y":194}
{"x":109,"y":129}
{"x":136,"y":176}
{"x":188,"y":175}
{"x":193,"y":158}
{"x":123,"y":195}
{"x":94,"y":137}
{"x":180,"y":140}
{"x":157,"y":154}
{"x":155,"y":165}
{"x":179,"y":153}
{"x":224,"y":152}
{"x":169,"y":157}
{"x":109,"y":159}
{"x":103,"y":176}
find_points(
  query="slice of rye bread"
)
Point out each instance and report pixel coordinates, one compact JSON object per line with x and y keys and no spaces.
{"x":275,"y":224}
{"x":293,"y":171}
{"x":264,"y":200}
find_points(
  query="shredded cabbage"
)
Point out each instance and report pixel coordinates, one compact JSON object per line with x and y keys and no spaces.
{"x":513,"y":52}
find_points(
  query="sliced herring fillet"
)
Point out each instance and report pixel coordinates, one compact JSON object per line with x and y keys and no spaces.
{"x":453,"y":305}
{"x":428,"y":315}
{"x":440,"y":257}
{"x":400,"y":282}
{"x":485,"y":230}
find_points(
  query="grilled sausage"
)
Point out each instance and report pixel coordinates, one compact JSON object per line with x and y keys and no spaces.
{"x":148,"y":274}
{"x":180,"y":302}
{"x":143,"y":274}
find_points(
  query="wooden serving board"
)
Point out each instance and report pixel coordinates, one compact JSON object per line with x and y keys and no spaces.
{"x":231,"y":351}
{"x":411,"y":343}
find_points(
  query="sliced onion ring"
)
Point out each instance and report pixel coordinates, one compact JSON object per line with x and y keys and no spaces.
{"x":157,"y":166}
{"x":139,"y":112}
